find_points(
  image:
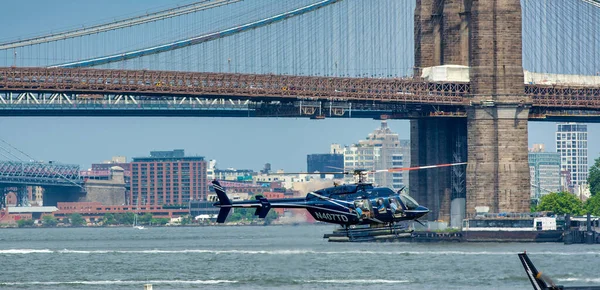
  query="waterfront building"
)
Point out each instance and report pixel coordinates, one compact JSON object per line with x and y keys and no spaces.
{"x":325,"y":163}
{"x":243,"y":190}
{"x":104,"y":167}
{"x":210,"y":169}
{"x":545,"y":172}
{"x":94,"y":211}
{"x":571,"y":144}
{"x":168,"y":177}
{"x":405,"y":151}
{"x":286,"y":181}
{"x":380,"y":150}
{"x":232,"y":174}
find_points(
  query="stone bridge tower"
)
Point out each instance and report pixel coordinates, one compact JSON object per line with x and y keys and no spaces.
{"x":486,"y":36}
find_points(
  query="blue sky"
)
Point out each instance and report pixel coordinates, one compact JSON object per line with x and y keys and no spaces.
{"x":234,"y":142}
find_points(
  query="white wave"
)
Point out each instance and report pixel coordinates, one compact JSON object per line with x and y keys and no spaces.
{"x":586,"y":280}
{"x":26,"y":251}
{"x":118,"y":282}
{"x":356,"y":281}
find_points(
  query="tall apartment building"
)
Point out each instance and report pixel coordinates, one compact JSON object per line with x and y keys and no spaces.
{"x":545,"y":170}
{"x":168,"y":177}
{"x":381,"y":150}
{"x":571,"y":144}
{"x":325,"y":163}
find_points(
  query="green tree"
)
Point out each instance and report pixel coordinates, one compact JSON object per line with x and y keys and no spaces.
{"x":22,"y":223}
{"x":145,"y":219}
{"x":560,"y":203}
{"x":594,"y":177}
{"x":127,"y":218}
{"x":592,"y":205}
{"x":77,"y":220}
{"x":186,"y":220}
{"x":49,"y":221}
{"x":160,"y":221}
{"x":109,"y":219}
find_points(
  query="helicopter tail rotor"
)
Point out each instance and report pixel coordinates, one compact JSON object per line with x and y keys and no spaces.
{"x":224,"y":202}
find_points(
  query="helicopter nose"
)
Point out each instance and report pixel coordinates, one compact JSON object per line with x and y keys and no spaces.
{"x":422,"y":210}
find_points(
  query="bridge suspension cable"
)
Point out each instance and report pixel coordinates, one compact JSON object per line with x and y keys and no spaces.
{"x":195,"y":40}
{"x":161,"y":15}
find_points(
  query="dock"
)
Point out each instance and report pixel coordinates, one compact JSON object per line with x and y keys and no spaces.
{"x":577,"y":230}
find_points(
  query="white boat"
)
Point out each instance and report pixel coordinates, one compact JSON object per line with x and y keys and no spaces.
{"x":135,"y":223}
{"x":135,"y":217}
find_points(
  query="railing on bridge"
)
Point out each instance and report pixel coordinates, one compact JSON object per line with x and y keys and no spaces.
{"x":38,"y":173}
{"x":157,"y":85}
{"x":564,"y":96}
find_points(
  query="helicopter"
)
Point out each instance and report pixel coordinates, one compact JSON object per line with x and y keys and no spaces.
{"x":360,"y":203}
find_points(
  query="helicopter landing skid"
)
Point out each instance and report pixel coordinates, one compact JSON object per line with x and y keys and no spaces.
{"x":370,"y":234}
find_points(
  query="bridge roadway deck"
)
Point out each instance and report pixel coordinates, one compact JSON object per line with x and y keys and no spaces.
{"x":100,"y":92}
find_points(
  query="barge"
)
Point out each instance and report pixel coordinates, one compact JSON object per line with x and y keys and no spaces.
{"x":516,"y":228}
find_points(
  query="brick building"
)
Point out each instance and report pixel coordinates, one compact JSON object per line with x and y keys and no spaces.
{"x":167,"y":177}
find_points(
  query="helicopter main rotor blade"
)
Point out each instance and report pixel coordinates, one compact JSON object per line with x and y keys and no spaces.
{"x":334,"y":167}
{"x":310,"y":173}
{"x":397,"y":169}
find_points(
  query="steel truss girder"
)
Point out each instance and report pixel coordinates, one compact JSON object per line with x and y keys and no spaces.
{"x":12,"y":172}
{"x":71,"y":104}
{"x":564,"y":96}
{"x":70,"y":100}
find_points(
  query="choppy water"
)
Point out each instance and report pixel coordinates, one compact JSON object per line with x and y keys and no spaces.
{"x":277,"y":257}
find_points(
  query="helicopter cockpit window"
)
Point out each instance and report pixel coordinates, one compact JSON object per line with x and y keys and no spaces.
{"x":408,"y":201}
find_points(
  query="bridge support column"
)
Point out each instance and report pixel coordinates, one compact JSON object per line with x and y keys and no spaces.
{"x":498,"y":169}
{"x":22,"y":199}
{"x":437,"y":141}
{"x":3,"y":193}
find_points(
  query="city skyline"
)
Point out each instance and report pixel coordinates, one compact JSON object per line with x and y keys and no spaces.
{"x":59,"y":139}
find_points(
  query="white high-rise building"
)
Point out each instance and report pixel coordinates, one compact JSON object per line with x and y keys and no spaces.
{"x":571,"y":144}
{"x":381,"y":150}
{"x":545,"y":171}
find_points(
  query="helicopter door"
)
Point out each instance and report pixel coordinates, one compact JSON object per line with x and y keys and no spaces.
{"x":365,"y":208}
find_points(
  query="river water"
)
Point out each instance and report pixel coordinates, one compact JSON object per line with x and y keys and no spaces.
{"x":273,"y":257}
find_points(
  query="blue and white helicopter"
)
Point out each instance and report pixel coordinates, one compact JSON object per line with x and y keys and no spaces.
{"x":347,"y":205}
